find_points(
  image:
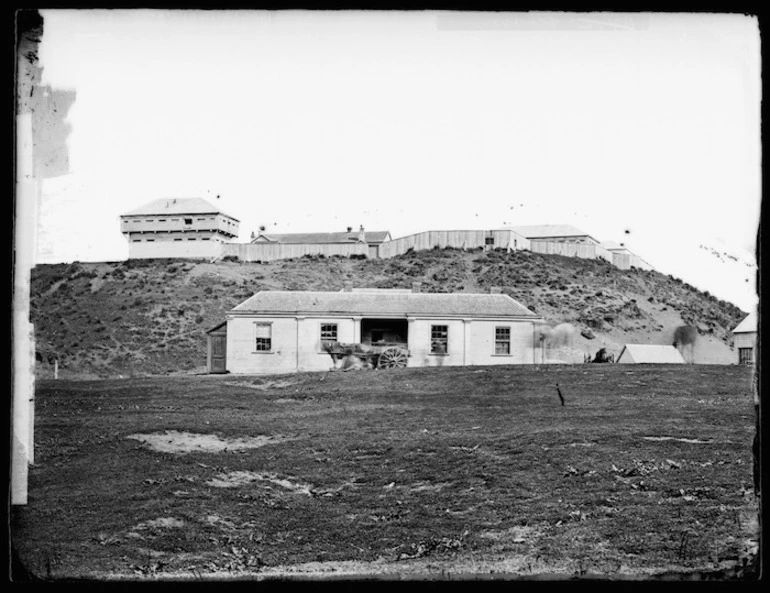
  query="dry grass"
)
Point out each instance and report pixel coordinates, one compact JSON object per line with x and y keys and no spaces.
{"x":412,"y":471}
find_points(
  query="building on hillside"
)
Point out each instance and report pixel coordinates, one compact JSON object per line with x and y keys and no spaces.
{"x":623,"y":257}
{"x":285,"y":331}
{"x":745,"y":340}
{"x":177,"y":227}
{"x":649,"y":354}
{"x":373,"y":239}
{"x":555,"y":233}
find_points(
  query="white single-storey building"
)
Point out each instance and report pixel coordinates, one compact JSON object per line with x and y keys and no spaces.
{"x":745,"y":340}
{"x":650,"y":354}
{"x":285,"y":331}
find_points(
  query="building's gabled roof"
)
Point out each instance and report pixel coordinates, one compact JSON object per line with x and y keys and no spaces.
{"x":377,"y":303}
{"x":748,"y":325}
{"x":177,"y":206}
{"x":651,"y":353}
{"x":544,"y":231}
{"x":317,"y":238}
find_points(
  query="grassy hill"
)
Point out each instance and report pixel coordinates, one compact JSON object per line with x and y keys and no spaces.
{"x":143,"y":317}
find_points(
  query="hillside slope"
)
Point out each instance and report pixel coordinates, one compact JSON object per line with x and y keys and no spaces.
{"x":150,"y":316}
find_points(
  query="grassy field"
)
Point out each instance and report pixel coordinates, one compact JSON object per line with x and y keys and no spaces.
{"x":433,"y":472}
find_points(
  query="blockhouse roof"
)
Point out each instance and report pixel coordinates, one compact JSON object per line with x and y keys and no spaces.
{"x":177,"y":206}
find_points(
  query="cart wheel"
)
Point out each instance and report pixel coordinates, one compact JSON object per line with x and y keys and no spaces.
{"x":392,"y":358}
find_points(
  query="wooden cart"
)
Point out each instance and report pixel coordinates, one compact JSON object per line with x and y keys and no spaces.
{"x":381,"y":355}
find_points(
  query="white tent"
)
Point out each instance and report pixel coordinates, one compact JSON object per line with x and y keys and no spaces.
{"x":650,"y":354}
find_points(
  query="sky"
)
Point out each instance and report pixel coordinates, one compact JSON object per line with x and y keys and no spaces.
{"x":637,"y":128}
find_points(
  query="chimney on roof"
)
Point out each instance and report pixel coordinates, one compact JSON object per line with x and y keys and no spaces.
{"x":347,"y":287}
{"x":361,"y":234}
{"x":253,"y":236}
{"x":350,"y":229}
{"x":416,"y":286}
{"x":495,"y":290}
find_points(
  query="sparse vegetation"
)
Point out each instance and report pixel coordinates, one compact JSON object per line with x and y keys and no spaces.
{"x":645,"y":471}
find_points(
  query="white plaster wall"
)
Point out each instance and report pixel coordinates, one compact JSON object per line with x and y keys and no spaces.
{"x":744,"y":340}
{"x":419,"y":343}
{"x":160,"y":249}
{"x":287,"y":334}
{"x":242,"y":356}
{"x":482,"y":342}
{"x":312,"y":357}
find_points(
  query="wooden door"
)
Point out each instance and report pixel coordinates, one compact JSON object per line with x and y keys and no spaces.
{"x":218,"y":354}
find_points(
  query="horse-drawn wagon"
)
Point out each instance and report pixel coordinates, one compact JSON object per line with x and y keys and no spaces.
{"x":380,"y":355}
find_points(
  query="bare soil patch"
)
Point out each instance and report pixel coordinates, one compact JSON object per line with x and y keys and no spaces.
{"x":173,"y":441}
{"x":241,"y":478}
{"x":262,"y":385}
{"x":681,"y":439}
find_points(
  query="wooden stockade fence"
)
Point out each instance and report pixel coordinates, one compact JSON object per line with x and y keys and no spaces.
{"x":503,"y":239}
{"x":500,"y":239}
{"x":273,"y":251}
{"x":570,"y":249}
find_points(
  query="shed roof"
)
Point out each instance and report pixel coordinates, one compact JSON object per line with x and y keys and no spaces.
{"x":316,"y":238}
{"x":651,"y":353}
{"x":614,"y":246}
{"x":217,"y":326}
{"x":748,"y":325}
{"x":177,"y":206}
{"x":377,"y":303}
{"x":543,"y":231}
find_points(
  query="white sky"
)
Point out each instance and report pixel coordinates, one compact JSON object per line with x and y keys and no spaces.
{"x":414,"y":121}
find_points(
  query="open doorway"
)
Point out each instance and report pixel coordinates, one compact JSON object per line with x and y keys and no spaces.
{"x":384,"y":331}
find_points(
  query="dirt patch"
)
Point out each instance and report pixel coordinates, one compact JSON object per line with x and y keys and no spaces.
{"x":517,"y":534}
{"x":697,"y":441}
{"x":262,"y":386}
{"x":241,"y":478}
{"x":428,"y":487}
{"x":161,"y":522}
{"x":173,"y":441}
{"x":155,"y":524}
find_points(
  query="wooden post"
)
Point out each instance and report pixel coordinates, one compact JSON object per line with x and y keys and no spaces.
{"x":56,"y":368}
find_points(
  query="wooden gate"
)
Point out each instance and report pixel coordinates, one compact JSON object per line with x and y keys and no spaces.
{"x":217,"y":349}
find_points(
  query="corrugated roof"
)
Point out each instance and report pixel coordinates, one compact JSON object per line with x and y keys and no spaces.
{"x":396,"y":303}
{"x":651,"y":353}
{"x":316,"y":238}
{"x":177,"y":206}
{"x":748,"y":325}
{"x":542,"y":231}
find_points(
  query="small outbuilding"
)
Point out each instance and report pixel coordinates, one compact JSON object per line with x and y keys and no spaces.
{"x":289,"y":331}
{"x":745,"y":339}
{"x":649,"y":354}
